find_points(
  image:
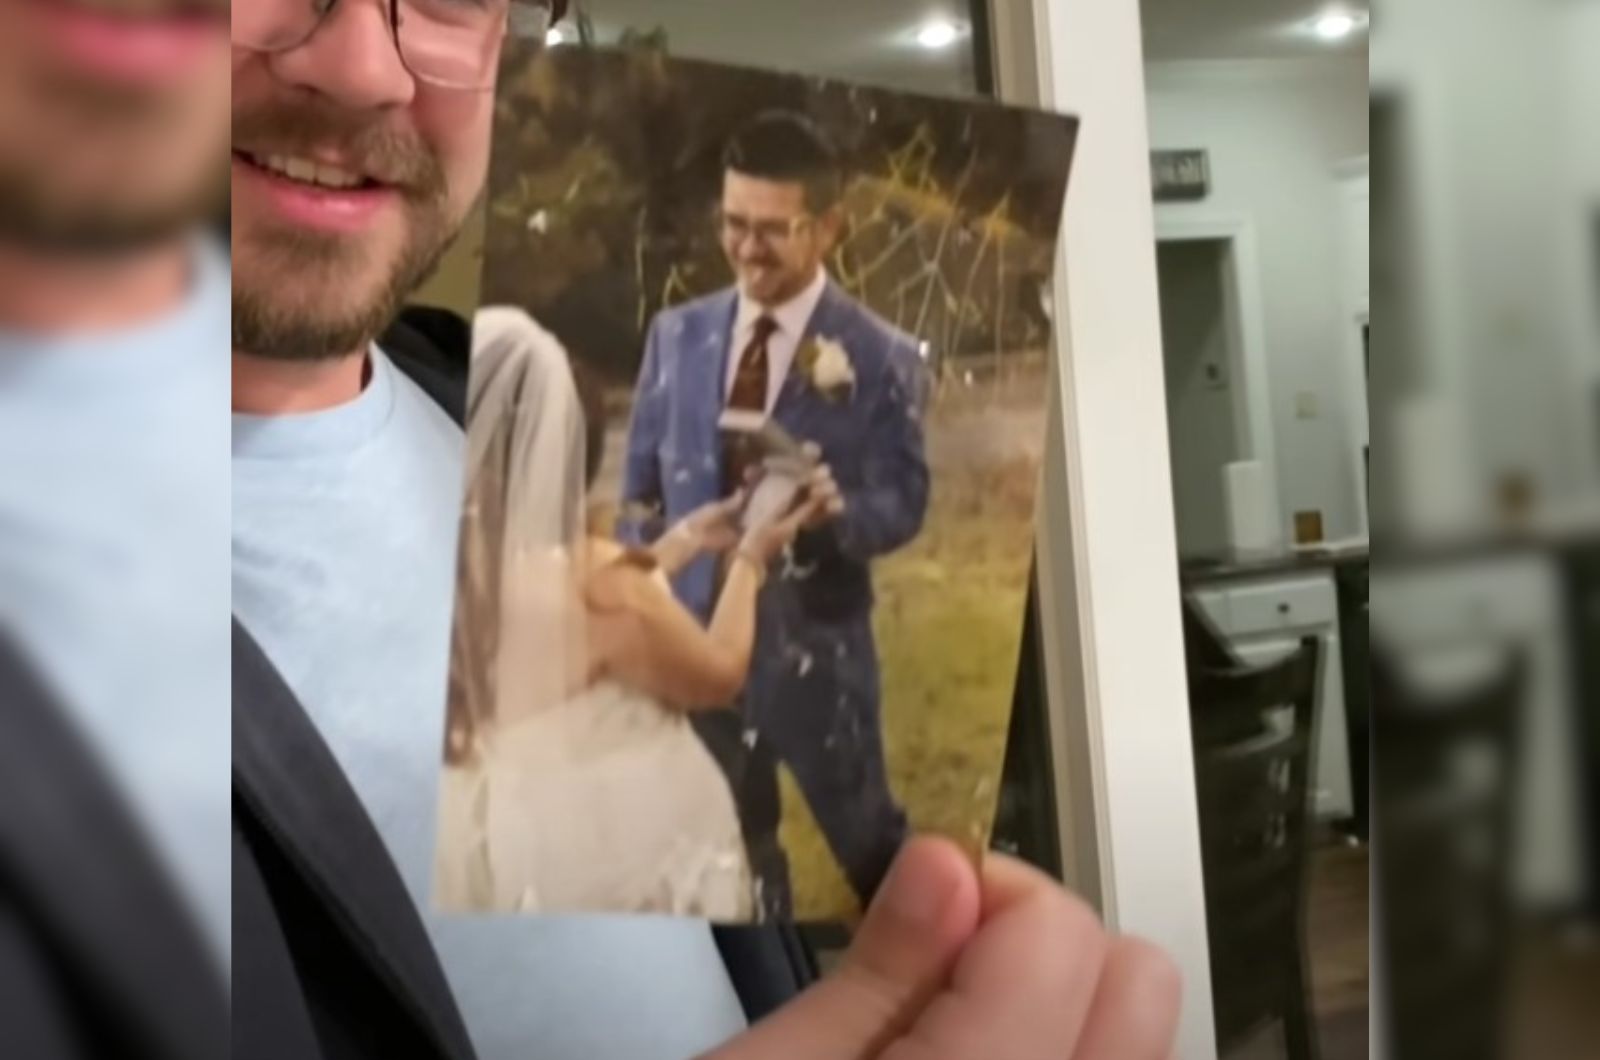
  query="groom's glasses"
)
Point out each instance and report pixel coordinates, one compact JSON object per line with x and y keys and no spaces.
{"x":770,"y":233}
{"x":445,"y":43}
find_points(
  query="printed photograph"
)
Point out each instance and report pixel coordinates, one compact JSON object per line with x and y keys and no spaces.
{"x":755,"y":429}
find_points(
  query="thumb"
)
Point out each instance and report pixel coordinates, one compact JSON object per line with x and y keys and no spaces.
{"x":923,"y":915}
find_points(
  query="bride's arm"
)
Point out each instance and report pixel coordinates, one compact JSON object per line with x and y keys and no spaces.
{"x":709,"y":528}
{"x":653,"y":643}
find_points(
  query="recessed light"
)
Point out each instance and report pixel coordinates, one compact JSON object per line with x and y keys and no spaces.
{"x":1335,"y":25}
{"x":938,"y":34}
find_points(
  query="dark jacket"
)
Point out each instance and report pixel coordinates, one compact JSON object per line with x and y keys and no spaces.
{"x":331,"y":958}
{"x":98,"y":956}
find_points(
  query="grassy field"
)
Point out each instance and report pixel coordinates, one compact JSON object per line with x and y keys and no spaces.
{"x":949,"y":625}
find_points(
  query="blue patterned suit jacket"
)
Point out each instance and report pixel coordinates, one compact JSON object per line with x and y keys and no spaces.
{"x":814,"y":641}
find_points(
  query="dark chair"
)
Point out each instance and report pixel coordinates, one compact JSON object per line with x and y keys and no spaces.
{"x":1254,"y":747}
{"x":1204,"y":646}
{"x":1446,"y":773}
{"x":1352,"y":582}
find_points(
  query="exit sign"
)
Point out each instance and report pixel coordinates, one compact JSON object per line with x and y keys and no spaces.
{"x":1180,"y":176}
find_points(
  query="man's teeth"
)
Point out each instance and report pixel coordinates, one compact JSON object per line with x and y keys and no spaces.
{"x":308,"y":172}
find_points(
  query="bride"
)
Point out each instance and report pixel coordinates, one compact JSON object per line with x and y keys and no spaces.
{"x":575,"y":781}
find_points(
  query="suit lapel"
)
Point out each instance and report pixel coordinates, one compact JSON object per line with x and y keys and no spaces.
{"x":703,"y":372}
{"x":797,"y":398}
{"x":289,"y":780}
{"x":716,"y":337}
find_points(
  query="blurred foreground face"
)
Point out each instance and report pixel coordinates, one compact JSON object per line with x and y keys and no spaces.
{"x":355,"y":161}
{"x":111,"y":120}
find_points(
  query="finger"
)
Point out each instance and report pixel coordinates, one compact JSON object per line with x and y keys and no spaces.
{"x":902,"y":954}
{"x":792,"y":523}
{"x":1023,"y":987}
{"x":812,"y":450}
{"x":1135,"y":1012}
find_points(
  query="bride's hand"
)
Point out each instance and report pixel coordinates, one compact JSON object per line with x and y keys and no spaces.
{"x":766,"y":542}
{"x":711,"y":527}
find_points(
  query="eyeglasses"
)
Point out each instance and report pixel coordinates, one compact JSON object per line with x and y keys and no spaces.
{"x":446,"y":43}
{"x":738,"y":228}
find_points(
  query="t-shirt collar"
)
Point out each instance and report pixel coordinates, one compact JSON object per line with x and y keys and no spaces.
{"x":341,"y":430}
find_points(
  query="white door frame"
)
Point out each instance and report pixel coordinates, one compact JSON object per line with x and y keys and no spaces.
{"x":1109,"y":592}
{"x":1355,"y":301}
{"x":1254,"y":436}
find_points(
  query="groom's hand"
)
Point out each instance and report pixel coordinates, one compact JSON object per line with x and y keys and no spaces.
{"x":953,"y":965}
{"x":824,"y":499}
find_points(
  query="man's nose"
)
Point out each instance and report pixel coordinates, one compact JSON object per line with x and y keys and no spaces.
{"x":352,"y":59}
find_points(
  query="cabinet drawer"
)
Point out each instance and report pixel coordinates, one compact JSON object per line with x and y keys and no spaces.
{"x":1213,"y":603}
{"x":1288,"y":605}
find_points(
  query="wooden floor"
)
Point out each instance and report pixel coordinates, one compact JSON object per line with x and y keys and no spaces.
{"x":1553,"y":999}
{"x":1555,"y":987}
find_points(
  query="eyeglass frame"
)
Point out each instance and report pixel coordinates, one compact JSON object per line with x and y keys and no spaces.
{"x":764,"y":232}
{"x":552,"y":10}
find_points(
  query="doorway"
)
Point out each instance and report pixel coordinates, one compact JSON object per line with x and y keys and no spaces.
{"x":1218,"y":411}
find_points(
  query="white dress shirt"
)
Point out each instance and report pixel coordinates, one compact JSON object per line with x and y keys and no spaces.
{"x":792,"y":318}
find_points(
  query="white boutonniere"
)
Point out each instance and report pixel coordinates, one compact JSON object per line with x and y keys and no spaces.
{"x":827,"y":366}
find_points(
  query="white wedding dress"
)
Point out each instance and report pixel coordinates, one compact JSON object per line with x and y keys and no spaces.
{"x":597,"y":800}
{"x":609,"y":803}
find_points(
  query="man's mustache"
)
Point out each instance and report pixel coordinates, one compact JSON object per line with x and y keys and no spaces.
{"x":380,"y":152}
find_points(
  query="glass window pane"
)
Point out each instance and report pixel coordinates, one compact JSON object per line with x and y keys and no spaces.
{"x":920,"y":45}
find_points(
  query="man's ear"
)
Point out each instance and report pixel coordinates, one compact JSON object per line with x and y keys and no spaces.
{"x":830,"y":225}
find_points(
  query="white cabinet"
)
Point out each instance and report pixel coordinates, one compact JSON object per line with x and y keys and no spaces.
{"x":1264,"y":620}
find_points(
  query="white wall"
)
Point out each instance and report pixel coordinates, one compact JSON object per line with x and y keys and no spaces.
{"x":1495,"y":100}
{"x":1276,"y":133}
{"x":1200,"y":414}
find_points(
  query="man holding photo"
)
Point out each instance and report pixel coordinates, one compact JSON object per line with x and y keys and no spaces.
{"x":786,"y":344}
{"x":361,"y":139}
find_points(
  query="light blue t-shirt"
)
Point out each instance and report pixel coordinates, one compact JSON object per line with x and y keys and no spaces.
{"x":114,"y":561}
{"x":344,"y":548}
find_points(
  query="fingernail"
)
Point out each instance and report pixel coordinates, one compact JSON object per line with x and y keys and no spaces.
{"x":915,"y":892}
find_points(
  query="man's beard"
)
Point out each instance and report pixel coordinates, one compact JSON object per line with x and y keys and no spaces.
{"x":264,"y":326}
{"x":43,"y":213}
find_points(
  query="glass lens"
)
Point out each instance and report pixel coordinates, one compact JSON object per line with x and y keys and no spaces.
{"x":454,"y":42}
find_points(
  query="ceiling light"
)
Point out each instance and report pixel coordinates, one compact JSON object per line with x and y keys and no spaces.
{"x":555,"y":36}
{"x":938,"y":34}
{"x":1335,"y":25}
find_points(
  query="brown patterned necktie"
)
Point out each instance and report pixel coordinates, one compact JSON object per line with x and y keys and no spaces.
{"x":749,"y":393}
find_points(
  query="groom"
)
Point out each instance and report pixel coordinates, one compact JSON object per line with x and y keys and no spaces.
{"x":788,"y":343}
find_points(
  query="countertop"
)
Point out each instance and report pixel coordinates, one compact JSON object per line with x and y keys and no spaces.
{"x":1202,"y":570}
